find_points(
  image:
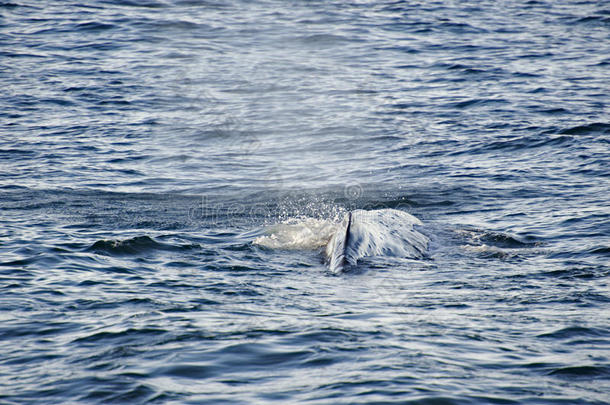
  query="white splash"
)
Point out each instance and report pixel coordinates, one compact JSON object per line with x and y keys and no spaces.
{"x":385,"y":232}
{"x":298,"y":234}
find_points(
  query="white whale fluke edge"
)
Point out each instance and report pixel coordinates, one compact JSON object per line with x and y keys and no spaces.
{"x":384,"y":232}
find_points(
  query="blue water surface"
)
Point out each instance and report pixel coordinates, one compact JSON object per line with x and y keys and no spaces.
{"x":146,"y":144}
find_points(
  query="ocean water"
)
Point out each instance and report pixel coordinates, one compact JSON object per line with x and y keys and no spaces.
{"x":170,"y":171}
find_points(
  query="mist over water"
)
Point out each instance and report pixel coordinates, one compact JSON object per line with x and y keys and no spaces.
{"x":171,"y":170}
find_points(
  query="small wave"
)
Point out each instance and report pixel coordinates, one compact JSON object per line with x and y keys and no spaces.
{"x":124,"y":336}
{"x":600,"y":250}
{"x":489,"y":252}
{"x":139,"y":3}
{"x":595,"y":127}
{"x":604,"y":62}
{"x":493,"y":245}
{"x":515,"y":144}
{"x":552,"y":111}
{"x":99,"y":46}
{"x":574,"y":331}
{"x":93,"y":26}
{"x":298,"y":234}
{"x":504,"y":240}
{"x":496,"y":239}
{"x":594,"y":19}
{"x":582,"y":372}
{"x":587,"y":272}
{"x":172,"y":25}
{"x":58,"y":101}
{"x":19,"y":262}
{"x":476,"y":102}
{"x":133,"y":246}
{"x":12,"y":153}
{"x":121,"y":393}
{"x":460,"y":28}
{"x":193,"y":371}
{"x":324,"y":39}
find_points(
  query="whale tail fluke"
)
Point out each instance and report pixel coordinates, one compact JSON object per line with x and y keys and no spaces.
{"x":385,"y":232}
{"x":337,"y":246}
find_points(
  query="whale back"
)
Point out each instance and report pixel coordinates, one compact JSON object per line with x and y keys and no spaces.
{"x":385,"y":232}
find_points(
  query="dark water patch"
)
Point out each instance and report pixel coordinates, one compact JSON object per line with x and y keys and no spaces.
{"x":9,"y":54}
{"x":604,"y":62}
{"x":191,"y":371}
{"x":35,"y":359}
{"x":206,"y":3}
{"x":200,"y":304}
{"x":58,"y":101}
{"x":125,"y":336}
{"x":98,"y":304}
{"x":98,"y":388}
{"x":459,"y":66}
{"x":600,"y":250}
{"x":180,"y":25}
{"x":505,"y":241}
{"x":136,"y":245}
{"x":516,"y":144}
{"x":138,"y":394}
{"x":20,"y":262}
{"x":99,"y":46}
{"x":525,"y":74}
{"x":575,"y":331}
{"x":478,"y":237}
{"x":588,"y":129}
{"x":468,"y":70}
{"x":491,"y":253}
{"x":17,"y":153}
{"x":152,"y":4}
{"x":475,"y":102}
{"x":89,"y":283}
{"x":538,"y":90}
{"x":36,"y":329}
{"x":582,"y":372}
{"x":592,"y":298}
{"x":107,"y":357}
{"x":580,"y":272}
{"x":460,"y":28}
{"x":255,"y":356}
{"x":551,"y":111}
{"x":93,"y":26}
{"x":594,"y":20}
{"x":333,"y":336}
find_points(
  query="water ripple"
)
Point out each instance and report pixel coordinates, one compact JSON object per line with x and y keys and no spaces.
{"x":144,"y":145}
